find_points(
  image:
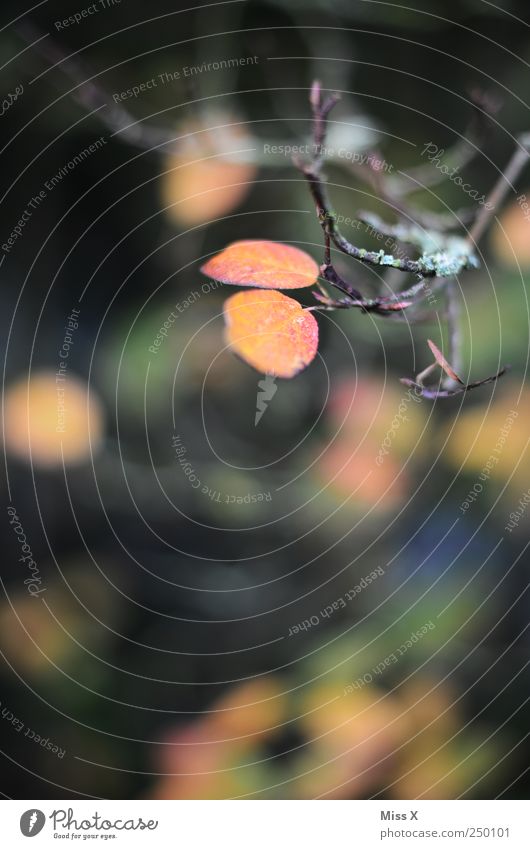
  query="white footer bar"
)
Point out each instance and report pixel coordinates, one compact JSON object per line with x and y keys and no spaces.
{"x":266,"y":824}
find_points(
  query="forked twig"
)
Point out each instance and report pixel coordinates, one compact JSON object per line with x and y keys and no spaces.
{"x":442,"y":255}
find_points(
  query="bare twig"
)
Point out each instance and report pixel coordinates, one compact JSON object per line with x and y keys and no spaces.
{"x":461,"y":154}
{"x":443,"y":256}
{"x":454,"y":331}
{"x":432,"y":392}
{"x":501,"y":188}
{"x":438,"y":264}
{"x":445,"y":389}
{"x":93,"y":96}
{"x":393,"y":188}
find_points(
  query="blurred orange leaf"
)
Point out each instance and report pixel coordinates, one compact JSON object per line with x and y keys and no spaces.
{"x":197,"y":191}
{"x":268,"y":265}
{"x":271,"y":332}
{"x":354,"y":475}
{"x":50,"y":420}
{"x":210,"y":174}
{"x":509,"y":236}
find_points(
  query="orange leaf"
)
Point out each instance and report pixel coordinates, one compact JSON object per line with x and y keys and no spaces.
{"x":48,"y":419}
{"x":210,"y":174}
{"x":271,"y":332}
{"x":269,"y":265}
{"x":195,"y":192}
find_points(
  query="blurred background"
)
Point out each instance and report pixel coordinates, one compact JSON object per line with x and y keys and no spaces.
{"x":196,"y":605}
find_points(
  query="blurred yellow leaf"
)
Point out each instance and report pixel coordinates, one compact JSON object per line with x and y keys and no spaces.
{"x":510,"y":239}
{"x":47,"y":418}
{"x":492,"y":440}
{"x":210,"y":175}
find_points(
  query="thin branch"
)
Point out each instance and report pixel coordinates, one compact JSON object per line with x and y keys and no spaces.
{"x":440,"y":221}
{"x":92,"y":96}
{"x":444,"y":389}
{"x":393,"y":188}
{"x":431,"y":393}
{"x":320,"y":118}
{"x":501,"y":188}
{"x":384,"y":305}
{"x":438,"y":264}
{"x":484,"y":107}
{"x":454,"y":331}
{"x":443,"y":256}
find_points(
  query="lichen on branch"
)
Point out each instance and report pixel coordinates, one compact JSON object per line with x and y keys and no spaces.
{"x":443,"y":254}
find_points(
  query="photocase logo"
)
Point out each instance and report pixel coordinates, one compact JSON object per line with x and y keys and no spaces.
{"x":32,"y":822}
{"x":266,"y":391}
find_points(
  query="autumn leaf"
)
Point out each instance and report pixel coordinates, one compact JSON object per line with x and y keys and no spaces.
{"x":195,"y":192}
{"x":46,"y":424}
{"x":509,"y":236}
{"x":211,"y":173}
{"x":271,"y":332}
{"x":268,"y":265}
